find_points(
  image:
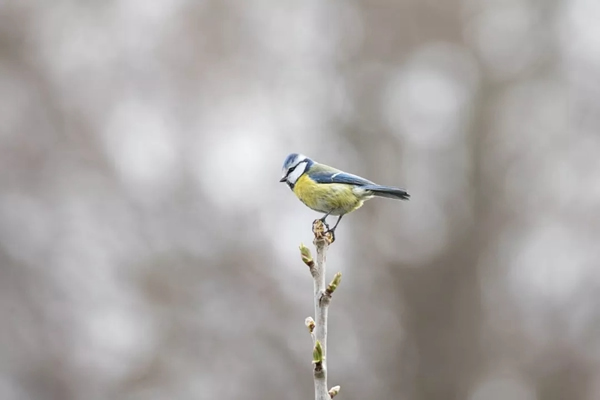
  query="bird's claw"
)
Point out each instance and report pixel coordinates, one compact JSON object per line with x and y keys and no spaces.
{"x":319,"y":227}
{"x":322,"y":231}
{"x":330,"y":236}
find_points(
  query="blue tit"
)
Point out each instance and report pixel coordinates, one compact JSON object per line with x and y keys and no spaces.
{"x":329,"y":190}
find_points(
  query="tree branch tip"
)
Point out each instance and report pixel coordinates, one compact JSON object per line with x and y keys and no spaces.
{"x":318,"y":228}
{"x":337,"y":278}
{"x":334,"y":391}
{"x":323,"y":236}
{"x":310,"y":324}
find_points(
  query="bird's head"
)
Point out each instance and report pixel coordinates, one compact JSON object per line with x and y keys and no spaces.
{"x":293,"y":167}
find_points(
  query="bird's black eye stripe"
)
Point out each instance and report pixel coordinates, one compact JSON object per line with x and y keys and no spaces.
{"x":289,"y":171}
{"x":294,"y":167}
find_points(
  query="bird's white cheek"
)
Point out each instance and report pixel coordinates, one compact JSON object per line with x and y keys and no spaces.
{"x":295,"y":174}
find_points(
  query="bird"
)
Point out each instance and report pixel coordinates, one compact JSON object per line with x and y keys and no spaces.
{"x":329,"y":190}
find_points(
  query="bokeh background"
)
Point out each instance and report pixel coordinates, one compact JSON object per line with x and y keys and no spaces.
{"x":148,"y":251}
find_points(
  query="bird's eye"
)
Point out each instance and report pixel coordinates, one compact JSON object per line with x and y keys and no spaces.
{"x":290,"y":170}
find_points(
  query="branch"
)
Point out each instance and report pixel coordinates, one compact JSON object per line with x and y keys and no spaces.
{"x":322,"y":298}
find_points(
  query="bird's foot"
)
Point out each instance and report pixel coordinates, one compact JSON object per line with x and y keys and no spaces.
{"x":330,"y":236}
{"x":322,"y":231}
{"x":319,"y":227}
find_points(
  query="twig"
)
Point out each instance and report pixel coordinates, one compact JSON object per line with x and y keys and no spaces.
{"x":322,"y":298}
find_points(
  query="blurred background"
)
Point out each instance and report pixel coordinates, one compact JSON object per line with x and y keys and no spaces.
{"x":148,"y":251}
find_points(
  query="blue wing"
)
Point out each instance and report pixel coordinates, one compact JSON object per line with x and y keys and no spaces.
{"x":323,"y":174}
{"x":338,"y":177}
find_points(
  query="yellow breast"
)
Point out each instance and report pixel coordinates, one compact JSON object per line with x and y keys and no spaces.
{"x":333,"y":198}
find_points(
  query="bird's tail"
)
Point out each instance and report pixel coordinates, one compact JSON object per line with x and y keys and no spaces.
{"x":387,"y":191}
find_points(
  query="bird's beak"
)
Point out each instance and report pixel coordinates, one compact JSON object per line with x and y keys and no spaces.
{"x":283,"y":178}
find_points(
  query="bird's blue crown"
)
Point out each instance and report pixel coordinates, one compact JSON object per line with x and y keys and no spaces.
{"x":293,"y":159}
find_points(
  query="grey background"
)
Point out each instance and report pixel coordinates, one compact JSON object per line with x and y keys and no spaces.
{"x":147,"y":250}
